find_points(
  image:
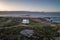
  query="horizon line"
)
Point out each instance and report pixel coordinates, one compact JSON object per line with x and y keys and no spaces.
{"x":28,"y":11}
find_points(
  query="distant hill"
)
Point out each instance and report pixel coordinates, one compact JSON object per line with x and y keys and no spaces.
{"x":15,"y":12}
{"x":18,"y":12}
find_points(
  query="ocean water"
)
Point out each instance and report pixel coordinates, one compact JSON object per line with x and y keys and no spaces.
{"x":55,"y":16}
{"x":54,"y":19}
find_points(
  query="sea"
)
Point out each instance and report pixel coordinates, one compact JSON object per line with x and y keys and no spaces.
{"x":55,"y":16}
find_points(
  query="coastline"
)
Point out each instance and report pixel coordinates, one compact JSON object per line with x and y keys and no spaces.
{"x":39,"y":20}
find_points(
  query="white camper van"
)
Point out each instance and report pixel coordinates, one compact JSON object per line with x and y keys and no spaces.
{"x":25,"y":21}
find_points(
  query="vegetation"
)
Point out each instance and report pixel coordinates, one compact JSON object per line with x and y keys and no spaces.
{"x":46,"y":32}
{"x":10,"y":28}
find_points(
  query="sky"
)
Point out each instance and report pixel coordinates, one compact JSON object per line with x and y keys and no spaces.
{"x":30,"y":5}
